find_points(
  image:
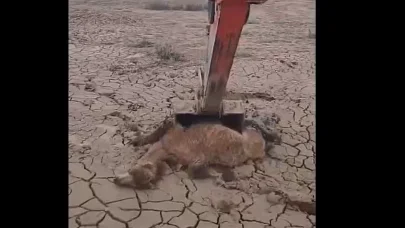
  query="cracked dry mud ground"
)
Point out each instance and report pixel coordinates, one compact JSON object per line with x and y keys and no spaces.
{"x":109,"y":71}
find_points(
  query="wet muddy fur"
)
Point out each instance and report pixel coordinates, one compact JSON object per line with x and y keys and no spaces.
{"x":196,"y":148}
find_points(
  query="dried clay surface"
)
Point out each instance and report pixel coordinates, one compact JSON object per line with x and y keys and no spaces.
{"x":129,"y":60}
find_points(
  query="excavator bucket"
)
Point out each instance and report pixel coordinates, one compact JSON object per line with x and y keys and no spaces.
{"x":226,"y":20}
{"x":232,"y":115}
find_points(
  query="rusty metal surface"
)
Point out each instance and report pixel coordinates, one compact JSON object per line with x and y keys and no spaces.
{"x":232,"y":107}
{"x":189,"y":107}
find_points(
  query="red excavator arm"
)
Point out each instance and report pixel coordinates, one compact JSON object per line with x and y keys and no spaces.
{"x":226,"y":18}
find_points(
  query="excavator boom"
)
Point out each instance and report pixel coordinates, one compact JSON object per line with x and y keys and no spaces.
{"x":226,"y":21}
{"x":224,"y":34}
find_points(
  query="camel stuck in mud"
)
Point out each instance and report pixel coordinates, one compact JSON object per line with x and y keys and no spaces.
{"x":197,"y":148}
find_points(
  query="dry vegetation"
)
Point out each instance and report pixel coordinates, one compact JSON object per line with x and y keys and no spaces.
{"x":143,"y":44}
{"x":167,"y":52}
